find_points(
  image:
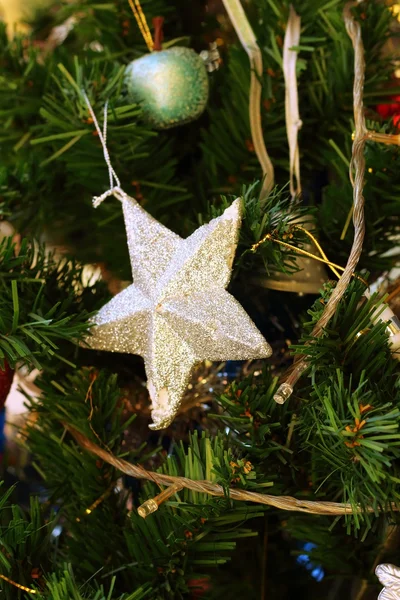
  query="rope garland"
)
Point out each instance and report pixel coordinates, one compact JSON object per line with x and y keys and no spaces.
{"x":214,"y":489}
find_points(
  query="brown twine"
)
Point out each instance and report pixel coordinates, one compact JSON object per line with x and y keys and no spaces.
{"x":357,"y":172}
{"x":214,"y":489}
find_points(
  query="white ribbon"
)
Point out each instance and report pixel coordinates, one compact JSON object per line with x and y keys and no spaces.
{"x":292,"y":115}
{"x":249,"y":43}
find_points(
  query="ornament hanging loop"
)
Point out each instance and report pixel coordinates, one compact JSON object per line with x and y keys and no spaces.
{"x":142,"y":23}
{"x":115,"y":184}
{"x":158,"y":23}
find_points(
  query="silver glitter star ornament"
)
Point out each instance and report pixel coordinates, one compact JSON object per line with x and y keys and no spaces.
{"x":177,"y":312}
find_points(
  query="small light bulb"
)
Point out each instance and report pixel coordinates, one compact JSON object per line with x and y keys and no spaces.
{"x":147,"y":508}
{"x":283,"y":392}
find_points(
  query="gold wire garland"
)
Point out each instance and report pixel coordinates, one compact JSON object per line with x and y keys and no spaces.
{"x":142,"y":23}
{"x":319,"y":248}
{"x":335,"y":268}
{"x":393,"y":294}
{"x":18,"y":585}
{"x":99,"y":500}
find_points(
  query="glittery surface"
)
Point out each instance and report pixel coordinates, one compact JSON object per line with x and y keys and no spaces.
{"x":171,"y":86}
{"x":178,"y":312}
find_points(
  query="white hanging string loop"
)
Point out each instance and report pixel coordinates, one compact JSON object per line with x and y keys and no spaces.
{"x":115,"y":184}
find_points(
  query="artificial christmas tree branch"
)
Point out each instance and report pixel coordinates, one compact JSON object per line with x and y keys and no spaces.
{"x":207,"y":487}
{"x":44,"y":302}
{"x":338,"y":439}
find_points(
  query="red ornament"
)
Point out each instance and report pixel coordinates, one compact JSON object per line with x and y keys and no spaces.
{"x":6,"y":379}
{"x":392,"y":110}
{"x":198,"y":587}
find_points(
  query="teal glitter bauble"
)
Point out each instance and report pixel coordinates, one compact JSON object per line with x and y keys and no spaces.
{"x":171,"y":86}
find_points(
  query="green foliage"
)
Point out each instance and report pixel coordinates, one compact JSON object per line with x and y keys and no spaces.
{"x":275,"y":215}
{"x":325,"y":80}
{"x":56,"y":156}
{"x":334,"y":550}
{"x":24,"y":543}
{"x":190,"y":532}
{"x":325,"y":84}
{"x":28,"y":550}
{"x":68,"y":157}
{"x":182,"y":545}
{"x":337,"y":439}
{"x":65,"y":587}
{"x":253,"y":414}
{"x":356,"y":437}
{"x":354,"y":340}
{"x":44,"y":303}
{"x":381,"y":192}
{"x":342,"y":428}
{"x":350,"y":420}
